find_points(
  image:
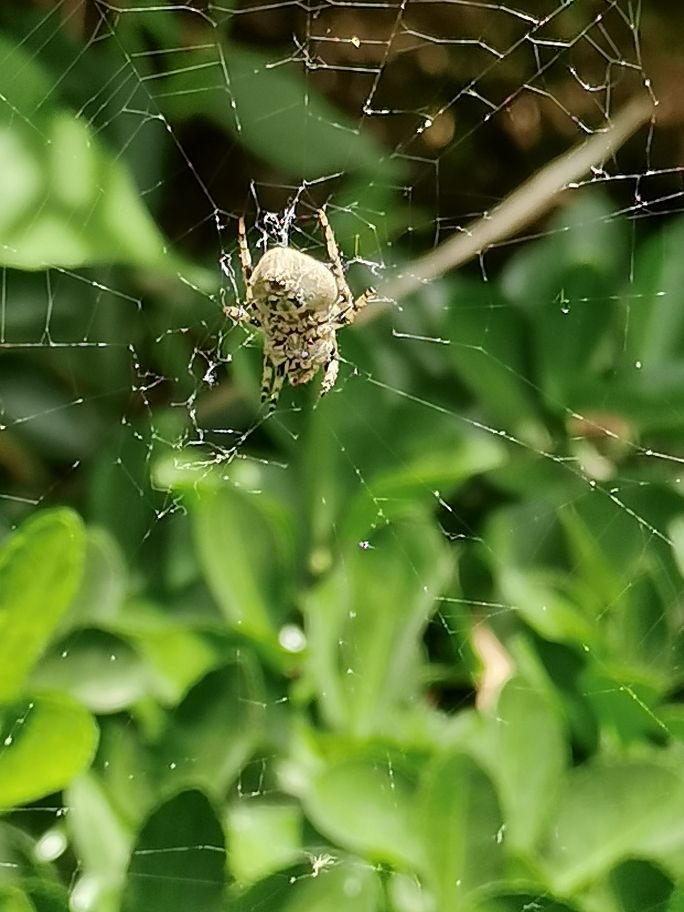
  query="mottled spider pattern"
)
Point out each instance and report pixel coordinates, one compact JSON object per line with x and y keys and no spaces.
{"x":299,"y":304}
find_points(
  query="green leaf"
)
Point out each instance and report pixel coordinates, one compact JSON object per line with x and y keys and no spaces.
{"x":274,"y":112}
{"x":40,"y":569}
{"x":99,"y":669}
{"x":539,"y":598}
{"x":656,"y":325}
{"x":559,"y":283}
{"x":397,"y":490}
{"x":37,"y":403}
{"x":64,"y":199}
{"x":397,"y":459}
{"x":632,"y":886}
{"x":526,"y":753}
{"x":602,"y":580}
{"x":365,"y":622}
{"x":328,"y":883}
{"x":105,"y":581}
{"x":488,"y":353}
{"x":47,"y":741}
{"x":101,"y":839}
{"x":263,"y":838}
{"x":461,"y":828}
{"x":176,"y":655}
{"x":244,"y":547}
{"x":245,"y":535}
{"x":124,"y":767}
{"x":365,"y":803}
{"x":211,"y":734}
{"x":530,"y":572}
{"x":623,"y":702}
{"x":13,"y":899}
{"x":676,"y":903}
{"x":510,"y":901}
{"x":347,"y":886}
{"x":611,"y":811}
{"x":178,"y":862}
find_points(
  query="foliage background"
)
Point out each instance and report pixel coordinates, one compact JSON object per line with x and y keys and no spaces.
{"x":258,"y":664}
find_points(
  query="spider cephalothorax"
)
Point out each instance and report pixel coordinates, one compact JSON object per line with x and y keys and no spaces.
{"x":299,"y":303}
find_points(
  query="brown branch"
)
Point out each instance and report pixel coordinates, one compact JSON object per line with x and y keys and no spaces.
{"x":525,"y":204}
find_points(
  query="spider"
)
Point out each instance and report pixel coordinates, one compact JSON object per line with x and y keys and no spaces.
{"x":299,"y":304}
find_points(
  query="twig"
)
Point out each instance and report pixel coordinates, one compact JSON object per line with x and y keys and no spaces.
{"x":530,"y":200}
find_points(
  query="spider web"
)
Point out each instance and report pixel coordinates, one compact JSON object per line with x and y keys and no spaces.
{"x":125,"y":391}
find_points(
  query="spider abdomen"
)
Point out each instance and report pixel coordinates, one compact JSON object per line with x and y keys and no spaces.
{"x":287,"y":280}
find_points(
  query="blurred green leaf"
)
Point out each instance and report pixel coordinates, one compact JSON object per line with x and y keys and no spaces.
{"x":488,"y":353}
{"x":13,"y":899}
{"x":397,"y":460}
{"x":610,"y":811}
{"x":631,"y":886}
{"x":178,"y":862}
{"x":100,"y":837}
{"x":46,"y":742}
{"x":263,"y":838}
{"x":652,"y":298}
{"x":245,"y":537}
{"x":24,"y":864}
{"x":40,"y":569}
{"x":676,"y":903}
{"x":212,"y":733}
{"x":99,"y":669}
{"x":45,"y":414}
{"x":398,"y":490}
{"x":566,"y":285}
{"x":366,"y":803}
{"x":125,"y":768}
{"x":244,"y":548}
{"x":509,"y":901}
{"x":364,"y":624}
{"x":461,"y":827}
{"x":104,"y":583}
{"x":346,"y":886}
{"x":64,"y":200}
{"x":525,"y":752}
{"x":273,"y":111}
{"x":176,"y":657}
{"x":538,"y":597}
{"x":624,"y":703}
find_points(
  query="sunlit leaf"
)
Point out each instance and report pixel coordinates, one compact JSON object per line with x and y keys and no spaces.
{"x":40,"y":570}
{"x":65,"y":200}
{"x":264,"y":838}
{"x":47,"y":741}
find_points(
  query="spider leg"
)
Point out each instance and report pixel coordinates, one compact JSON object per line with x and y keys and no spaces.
{"x":330,"y":374}
{"x":238,"y":313}
{"x":241,"y":313}
{"x":266,"y":379}
{"x":272,"y":382}
{"x":350,"y":307}
{"x":245,"y":259}
{"x":335,"y":261}
{"x":347,"y":315}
